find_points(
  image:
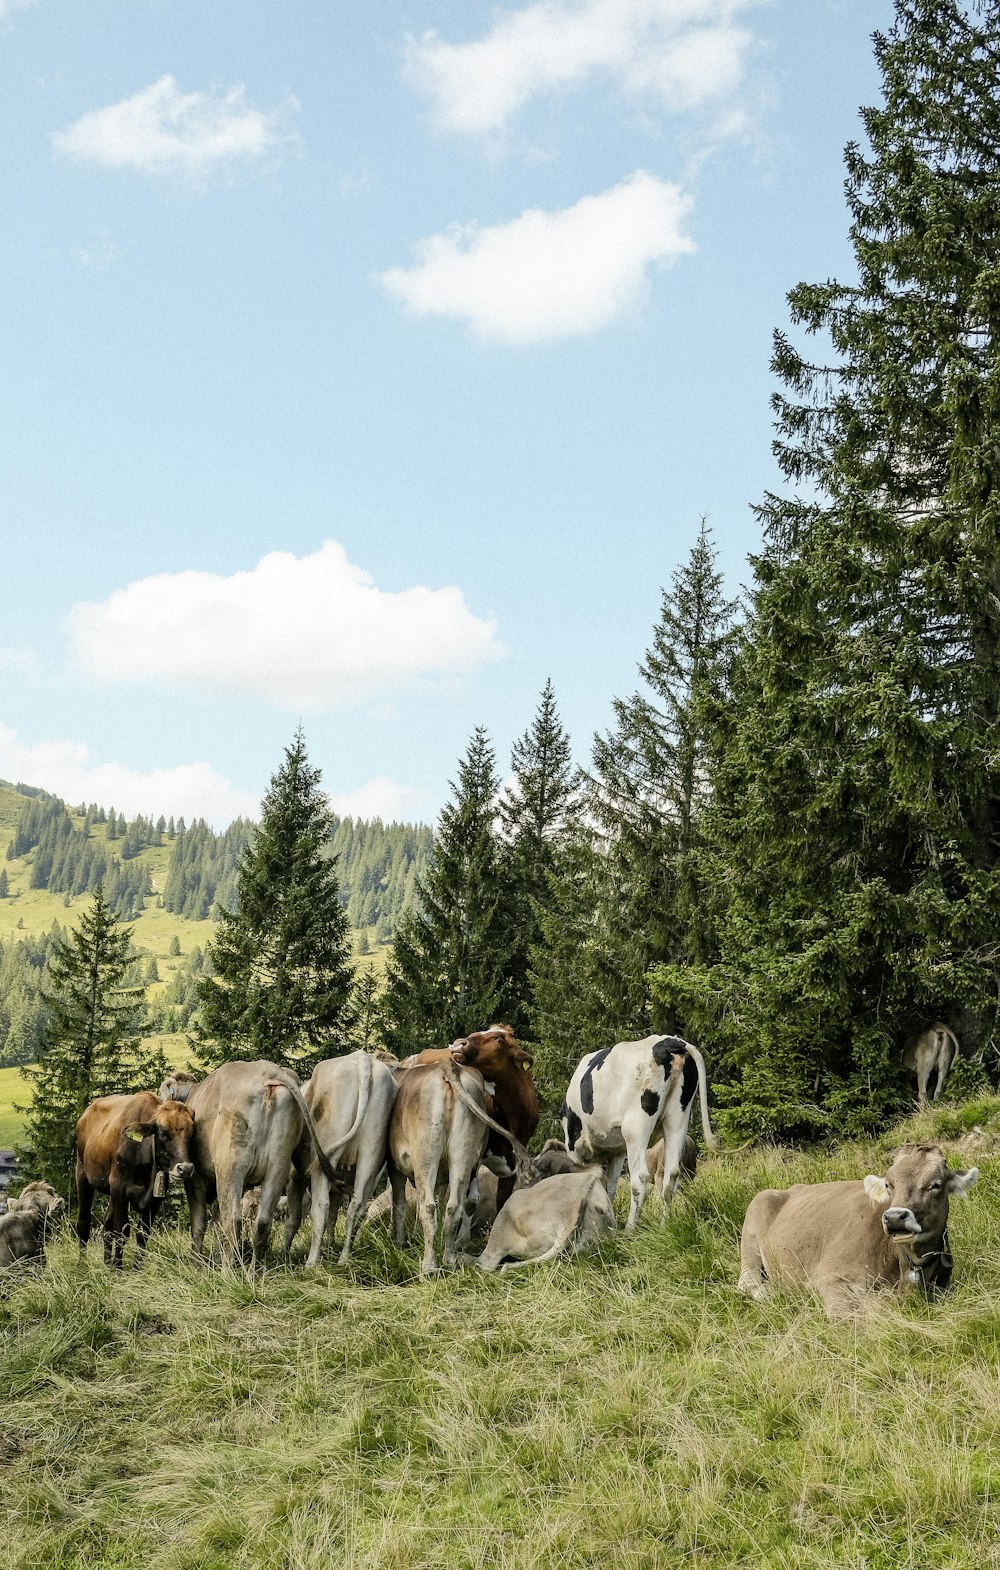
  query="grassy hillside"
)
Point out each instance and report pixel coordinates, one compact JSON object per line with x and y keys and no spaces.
{"x":12,"y":1088}
{"x":629,"y":1409}
{"x":30,"y":912}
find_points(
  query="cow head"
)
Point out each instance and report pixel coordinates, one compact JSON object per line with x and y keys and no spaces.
{"x":174,"y":1127}
{"x":177,"y":1087}
{"x":918,"y":1186}
{"x":494,"y":1052}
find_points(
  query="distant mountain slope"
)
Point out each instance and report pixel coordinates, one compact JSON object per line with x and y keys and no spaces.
{"x":166,"y":878}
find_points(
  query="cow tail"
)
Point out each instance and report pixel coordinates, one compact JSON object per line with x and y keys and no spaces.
{"x":364,"y":1095}
{"x":321,"y":1155}
{"x":452,"y":1078}
{"x":712,"y":1139}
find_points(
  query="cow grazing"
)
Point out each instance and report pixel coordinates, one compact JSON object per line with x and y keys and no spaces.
{"x":129,"y":1147}
{"x":433,"y":1135}
{"x":506,"y":1069}
{"x":24,"y":1228}
{"x":248,"y":1119}
{"x":351,"y":1101}
{"x":619,"y":1097}
{"x":843,"y":1239}
{"x":930,"y":1054}
{"x":562,"y":1215}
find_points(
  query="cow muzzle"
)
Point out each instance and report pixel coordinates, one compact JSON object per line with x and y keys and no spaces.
{"x":181,"y":1169}
{"x":898,"y":1222}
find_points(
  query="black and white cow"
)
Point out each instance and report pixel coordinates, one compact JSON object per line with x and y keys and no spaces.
{"x":621,"y":1097}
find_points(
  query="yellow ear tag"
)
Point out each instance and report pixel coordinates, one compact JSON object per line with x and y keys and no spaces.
{"x":133,"y":1133}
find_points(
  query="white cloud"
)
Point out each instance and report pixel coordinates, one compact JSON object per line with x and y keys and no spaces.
{"x":162,"y":131}
{"x":681,"y":54}
{"x":302,"y":633}
{"x":549,"y":275}
{"x":192,"y":790}
{"x":383,"y":798}
{"x":8,"y":7}
{"x":17,"y":659}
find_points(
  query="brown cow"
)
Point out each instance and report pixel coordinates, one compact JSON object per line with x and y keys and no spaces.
{"x":129,"y":1147}
{"x":434,"y":1134}
{"x":687,"y":1168}
{"x":506,"y":1068}
{"x":249,"y":1118}
{"x":846,"y":1238}
{"x":566,"y":1213}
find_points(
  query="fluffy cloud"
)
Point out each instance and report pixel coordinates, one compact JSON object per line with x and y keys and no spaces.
{"x":192,"y":790}
{"x":382,"y":798}
{"x":8,"y":7}
{"x":187,"y":136}
{"x":549,"y":275}
{"x":302,"y":633}
{"x":682,"y":54}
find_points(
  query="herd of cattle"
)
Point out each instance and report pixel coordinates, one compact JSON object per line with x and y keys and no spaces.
{"x":253,"y":1142}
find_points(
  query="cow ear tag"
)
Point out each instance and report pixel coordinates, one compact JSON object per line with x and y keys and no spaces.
{"x":134,"y":1133}
{"x":876,"y":1189}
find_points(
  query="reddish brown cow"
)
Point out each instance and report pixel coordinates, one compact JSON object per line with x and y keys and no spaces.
{"x":129,"y":1147}
{"x":506,"y":1068}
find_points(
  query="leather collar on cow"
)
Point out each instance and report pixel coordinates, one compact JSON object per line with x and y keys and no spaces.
{"x":929,"y":1271}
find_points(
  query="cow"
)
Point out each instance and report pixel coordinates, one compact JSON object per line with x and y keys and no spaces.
{"x":177,"y":1086}
{"x":248,"y":1119}
{"x":506,"y":1068}
{"x":37,"y":1195}
{"x":129,"y":1147}
{"x":688,"y":1163}
{"x":562,"y":1215}
{"x":434,"y":1133}
{"x":930,"y":1054}
{"x":351,"y":1101}
{"x":846,"y":1238}
{"x":620,"y":1096}
{"x":24,"y":1228}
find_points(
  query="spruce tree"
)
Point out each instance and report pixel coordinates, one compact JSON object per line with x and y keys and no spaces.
{"x":91,"y":1046}
{"x":4,"y":883}
{"x":282,"y":983}
{"x":858,"y":807}
{"x":535,"y":815}
{"x":448,"y":974}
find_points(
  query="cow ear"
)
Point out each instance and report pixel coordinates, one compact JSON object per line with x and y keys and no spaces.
{"x":959,"y":1183}
{"x":876,"y":1189}
{"x":457,"y":1050}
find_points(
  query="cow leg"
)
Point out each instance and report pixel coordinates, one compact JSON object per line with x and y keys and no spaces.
{"x":293,"y":1212}
{"x":365,"y":1177}
{"x":116,"y":1228}
{"x":469,"y":1209}
{"x":427,"y":1212}
{"x":271,"y":1191}
{"x":85,"y":1196}
{"x":319,"y":1215}
{"x":615,"y":1168}
{"x":230,"y":1188}
{"x":144,"y":1222}
{"x":398,"y":1182}
{"x":753,"y":1277}
{"x":638,"y":1173}
{"x":454,"y":1213}
{"x":197,"y":1198}
{"x":673,"y":1146}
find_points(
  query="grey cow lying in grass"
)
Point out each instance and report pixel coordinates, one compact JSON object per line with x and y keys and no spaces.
{"x":564,"y":1214}
{"x":23,"y":1228}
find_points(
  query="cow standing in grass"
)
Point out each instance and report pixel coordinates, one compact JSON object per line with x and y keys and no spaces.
{"x":129,"y":1147}
{"x":617,"y":1100}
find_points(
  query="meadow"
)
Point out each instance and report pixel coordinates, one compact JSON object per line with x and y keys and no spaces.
{"x":625,"y":1409}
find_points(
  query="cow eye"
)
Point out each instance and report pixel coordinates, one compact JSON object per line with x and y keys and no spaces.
{"x":937,"y":1184}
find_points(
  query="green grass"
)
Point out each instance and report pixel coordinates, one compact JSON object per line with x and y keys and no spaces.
{"x":12,"y":1088}
{"x":628,"y":1409}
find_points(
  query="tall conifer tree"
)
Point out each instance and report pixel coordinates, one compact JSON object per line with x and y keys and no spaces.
{"x":536,"y":813}
{"x":92,"y":1043}
{"x":859,"y":804}
{"x":282,"y":983}
{"x":448,"y":974}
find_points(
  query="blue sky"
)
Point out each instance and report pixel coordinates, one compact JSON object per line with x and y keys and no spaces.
{"x":365,"y":365}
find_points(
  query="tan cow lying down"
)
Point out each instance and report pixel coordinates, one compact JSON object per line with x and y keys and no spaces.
{"x":844,"y":1239}
{"x":563,"y":1215}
